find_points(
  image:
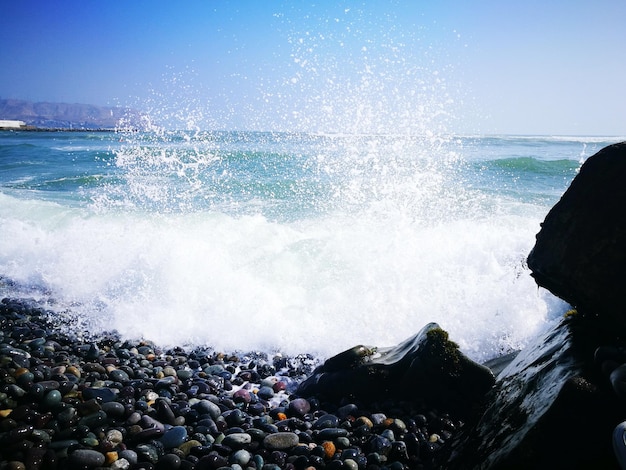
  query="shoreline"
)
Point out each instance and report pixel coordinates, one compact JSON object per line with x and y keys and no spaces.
{"x":106,"y":402}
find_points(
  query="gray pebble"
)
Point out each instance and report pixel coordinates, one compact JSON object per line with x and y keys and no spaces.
{"x":237,"y":440}
{"x":129,"y":455}
{"x":87,"y":458}
{"x":241,"y":457}
{"x":281,"y":441}
{"x":265,"y":392}
{"x":208,"y":407}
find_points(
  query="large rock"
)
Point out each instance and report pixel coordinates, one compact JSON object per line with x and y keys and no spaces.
{"x":550,"y":408}
{"x":580,"y":253}
{"x":555,"y":406}
{"x":427,"y":369}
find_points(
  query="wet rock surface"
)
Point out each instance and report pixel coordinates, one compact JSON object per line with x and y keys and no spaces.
{"x":553,"y":406}
{"x":561,"y":403}
{"x":427,"y":369}
{"x":580,"y":252}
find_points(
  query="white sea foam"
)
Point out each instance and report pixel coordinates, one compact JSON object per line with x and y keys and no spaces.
{"x":316,"y":285}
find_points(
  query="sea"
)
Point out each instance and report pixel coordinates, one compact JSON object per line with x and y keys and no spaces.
{"x":290,"y":243}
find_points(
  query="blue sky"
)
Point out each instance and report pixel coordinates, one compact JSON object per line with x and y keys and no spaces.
{"x":489,"y":67}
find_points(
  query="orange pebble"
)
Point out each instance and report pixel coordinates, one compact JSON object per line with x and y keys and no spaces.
{"x":20,"y":371}
{"x":281,"y":416}
{"x":329,"y":449}
{"x":111,"y":457}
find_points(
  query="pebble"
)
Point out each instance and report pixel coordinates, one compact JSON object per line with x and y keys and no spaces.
{"x":326,"y":421}
{"x":87,"y":458}
{"x":332,"y":433}
{"x":299,"y":407}
{"x":237,"y":440}
{"x":122,"y":404}
{"x":329,"y":449}
{"x":187,"y":447}
{"x":618,"y":380}
{"x":208,"y":407}
{"x":619,"y":444}
{"x":168,"y":462}
{"x":103,"y":394}
{"x":174,"y":437}
{"x":114,"y":436}
{"x":240,"y":457}
{"x":129,"y":455}
{"x":281,"y":441}
{"x":265,"y":392}
{"x":120,"y":464}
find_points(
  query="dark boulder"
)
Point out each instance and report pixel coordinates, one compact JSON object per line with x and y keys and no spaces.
{"x":580,"y":252}
{"x":551,"y":408}
{"x":557,"y":403}
{"x":426,"y":369}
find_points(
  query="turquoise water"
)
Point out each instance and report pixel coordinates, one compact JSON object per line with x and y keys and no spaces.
{"x":284,"y":242}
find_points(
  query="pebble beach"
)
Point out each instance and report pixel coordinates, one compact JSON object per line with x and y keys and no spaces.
{"x":79,"y":402}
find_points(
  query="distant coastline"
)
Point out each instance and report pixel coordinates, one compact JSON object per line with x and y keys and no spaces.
{"x":55,"y":129}
{"x":22,"y":115}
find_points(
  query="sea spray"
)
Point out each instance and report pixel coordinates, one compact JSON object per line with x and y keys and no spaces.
{"x":324,"y":205}
{"x":291,"y":243}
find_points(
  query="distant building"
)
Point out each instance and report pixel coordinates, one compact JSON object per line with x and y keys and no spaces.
{"x":8,"y":124}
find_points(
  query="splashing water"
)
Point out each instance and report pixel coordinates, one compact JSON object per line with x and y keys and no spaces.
{"x":372,"y":223}
{"x":290,"y":242}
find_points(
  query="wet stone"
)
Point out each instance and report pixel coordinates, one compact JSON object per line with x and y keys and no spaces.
{"x":348,"y":410}
{"x":93,"y":420}
{"x":299,"y":407}
{"x":379,"y":445}
{"x":164,"y":412}
{"x":241,"y":396}
{"x":207,"y":407}
{"x":114,"y":436}
{"x":168,"y":462}
{"x":114,"y":409}
{"x":174,"y":437}
{"x":103,"y":394}
{"x":332,"y":433}
{"x":265,"y":392}
{"x":240,"y":457}
{"x":237,"y":440}
{"x":280,"y":441}
{"x":52,"y":399}
{"x":326,"y":421}
{"x":187,"y":446}
{"x":129,"y":455}
{"x":120,"y":464}
{"x":350,"y":464}
{"x":184,"y":374}
{"x":87,"y":458}
{"x":147,"y":452}
{"x":235,"y":417}
{"x":16,"y":465}
{"x":119,"y":375}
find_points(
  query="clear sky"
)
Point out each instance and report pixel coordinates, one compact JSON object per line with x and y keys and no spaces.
{"x":489,"y":67}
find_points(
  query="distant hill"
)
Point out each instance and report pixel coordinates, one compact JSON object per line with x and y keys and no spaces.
{"x":68,"y":116}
